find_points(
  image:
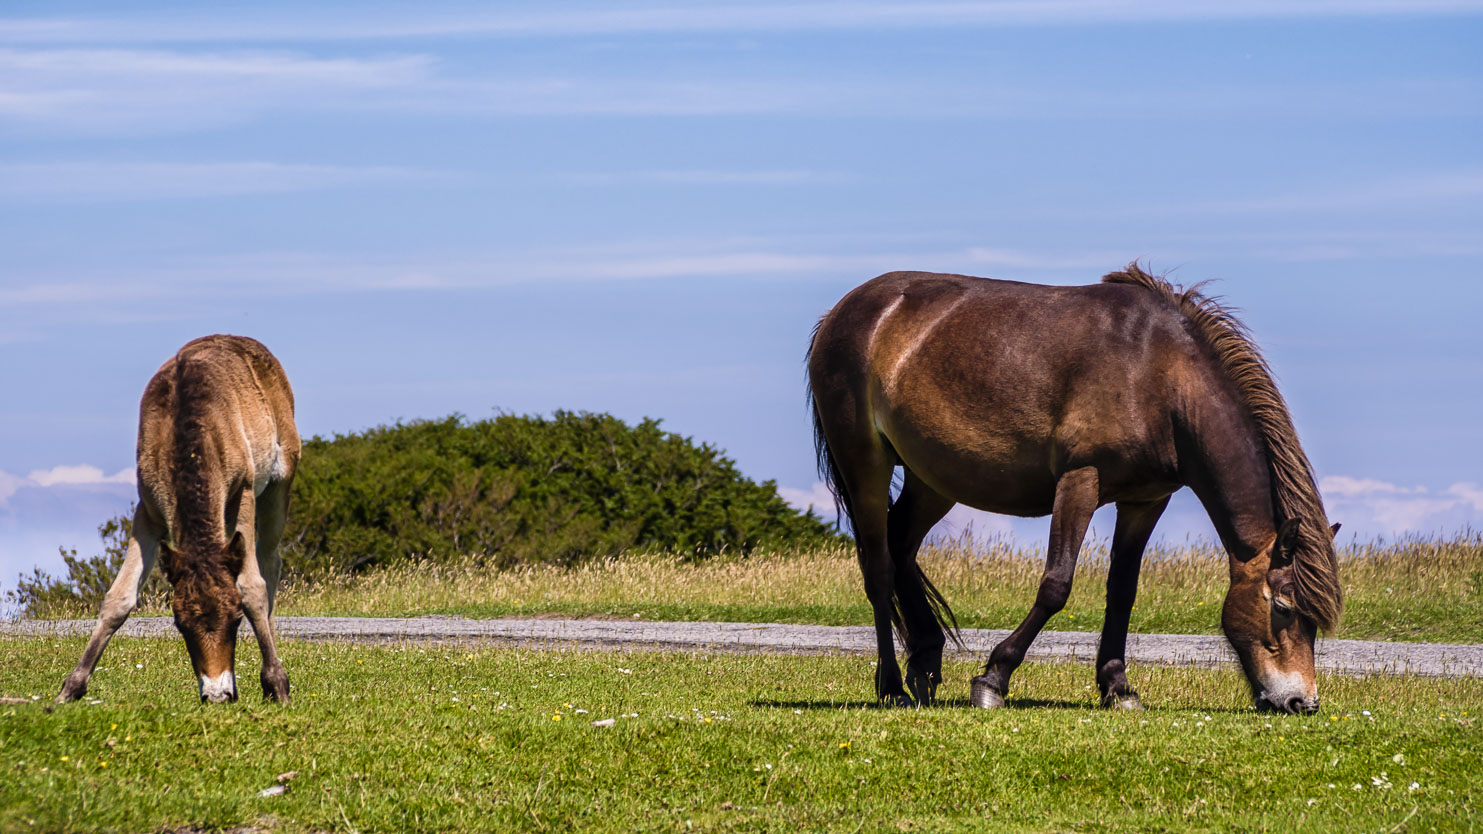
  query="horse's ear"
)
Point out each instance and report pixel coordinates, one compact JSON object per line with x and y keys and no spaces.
{"x":236,"y":553}
{"x":1334,"y":530}
{"x":169,"y":559}
{"x":1287,"y":540}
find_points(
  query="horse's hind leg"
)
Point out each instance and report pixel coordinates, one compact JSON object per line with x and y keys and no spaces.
{"x":1135,"y":524}
{"x":912,"y":516}
{"x":862,"y":471}
{"x":1076,"y":500}
{"x":259,"y":585}
{"x":123,"y":595}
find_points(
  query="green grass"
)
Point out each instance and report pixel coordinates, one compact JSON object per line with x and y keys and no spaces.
{"x":1417,"y":590}
{"x":455,"y":739}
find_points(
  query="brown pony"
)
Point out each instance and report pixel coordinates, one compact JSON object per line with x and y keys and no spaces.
{"x":217,"y":452}
{"x":1026,"y":400}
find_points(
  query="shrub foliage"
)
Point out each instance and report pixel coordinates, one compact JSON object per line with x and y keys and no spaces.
{"x":520,"y":489}
{"x":510,"y":490}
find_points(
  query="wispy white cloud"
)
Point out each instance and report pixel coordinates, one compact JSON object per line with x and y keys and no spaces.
{"x":268,"y":274}
{"x":707,"y":177}
{"x":1401,"y":192}
{"x":112,"y":181}
{"x":816,"y":498}
{"x":306,"y":23}
{"x":1384,"y":508}
{"x":122,"y":90}
{"x":131,"y":91}
{"x":80,"y":474}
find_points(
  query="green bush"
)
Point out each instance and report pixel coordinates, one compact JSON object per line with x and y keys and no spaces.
{"x":520,"y":489}
{"x":512,"y":490}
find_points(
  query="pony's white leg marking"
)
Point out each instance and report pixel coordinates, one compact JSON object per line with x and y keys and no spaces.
{"x":221,"y":688}
{"x":888,"y":381}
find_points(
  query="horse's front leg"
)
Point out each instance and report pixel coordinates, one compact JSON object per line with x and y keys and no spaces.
{"x":1135,"y":524}
{"x":1076,"y":500}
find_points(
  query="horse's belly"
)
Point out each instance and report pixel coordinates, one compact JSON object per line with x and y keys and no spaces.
{"x":997,"y":474}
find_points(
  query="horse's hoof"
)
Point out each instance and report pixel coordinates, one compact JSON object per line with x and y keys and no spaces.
{"x":898,"y":700}
{"x":922,"y":688}
{"x":984,"y":696}
{"x":73,"y":688}
{"x":1127,"y":701}
{"x":275,"y":685}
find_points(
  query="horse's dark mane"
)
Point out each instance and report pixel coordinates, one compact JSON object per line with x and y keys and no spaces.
{"x":1294,"y":488}
{"x":193,"y":476}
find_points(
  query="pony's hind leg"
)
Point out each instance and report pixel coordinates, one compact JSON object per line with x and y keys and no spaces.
{"x":123,"y":595}
{"x":1135,"y":523}
{"x":911,"y":517}
{"x":1076,"y":500}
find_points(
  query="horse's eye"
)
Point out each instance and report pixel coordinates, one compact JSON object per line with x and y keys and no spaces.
{"x":1282,"y":609}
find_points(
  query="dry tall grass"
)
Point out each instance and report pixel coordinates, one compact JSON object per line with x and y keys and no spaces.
{"x":1419,"y":588}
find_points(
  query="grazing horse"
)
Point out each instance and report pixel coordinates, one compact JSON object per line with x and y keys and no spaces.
{"x":1030,"y":400}
{"x":217,"y":452}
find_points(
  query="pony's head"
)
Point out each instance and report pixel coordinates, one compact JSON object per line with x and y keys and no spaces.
{"x":208,"y":609}
{"x":1271,"y":624}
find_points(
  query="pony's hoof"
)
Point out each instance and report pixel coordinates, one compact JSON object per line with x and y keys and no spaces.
{"x":897,"y":700}
{"x":984,"y":696}
{"x":73,"y":688}
{"x":1127,"y":701}
{"x":275,"y":685}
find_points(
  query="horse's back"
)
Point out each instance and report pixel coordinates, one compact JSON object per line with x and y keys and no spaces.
{"x":233,"y":388}
{"x":989,"y":389}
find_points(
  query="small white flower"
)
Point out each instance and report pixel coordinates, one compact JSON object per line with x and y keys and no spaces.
{"x":1399,"y":758}
{"x":1312,"y":802}
{"x":1413,"y":786}
{"x":580,"y":711}
{"x":1364,"y":712}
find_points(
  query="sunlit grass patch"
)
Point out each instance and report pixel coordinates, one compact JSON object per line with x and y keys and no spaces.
{"x":421,"y":738}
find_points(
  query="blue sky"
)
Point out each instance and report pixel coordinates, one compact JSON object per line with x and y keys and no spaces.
{"x":642,"y":209}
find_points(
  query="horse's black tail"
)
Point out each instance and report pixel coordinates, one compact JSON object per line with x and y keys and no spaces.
{"x":844,"y":511}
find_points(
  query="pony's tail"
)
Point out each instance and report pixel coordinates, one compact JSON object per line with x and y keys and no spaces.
{"x":844,"y":511}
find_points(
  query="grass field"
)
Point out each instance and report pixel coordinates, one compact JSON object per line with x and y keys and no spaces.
{"x":406,"y":738}
{"x":1429,"y":590}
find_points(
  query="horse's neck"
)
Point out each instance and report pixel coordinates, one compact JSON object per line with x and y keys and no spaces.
{"x":1224,"y":461}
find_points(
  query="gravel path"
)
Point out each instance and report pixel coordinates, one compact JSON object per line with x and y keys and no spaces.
{"x":1342,"y":656}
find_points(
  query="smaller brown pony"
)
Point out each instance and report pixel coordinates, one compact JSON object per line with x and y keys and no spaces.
{"x":1031,"y":400}
{"x":216,"y":457}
